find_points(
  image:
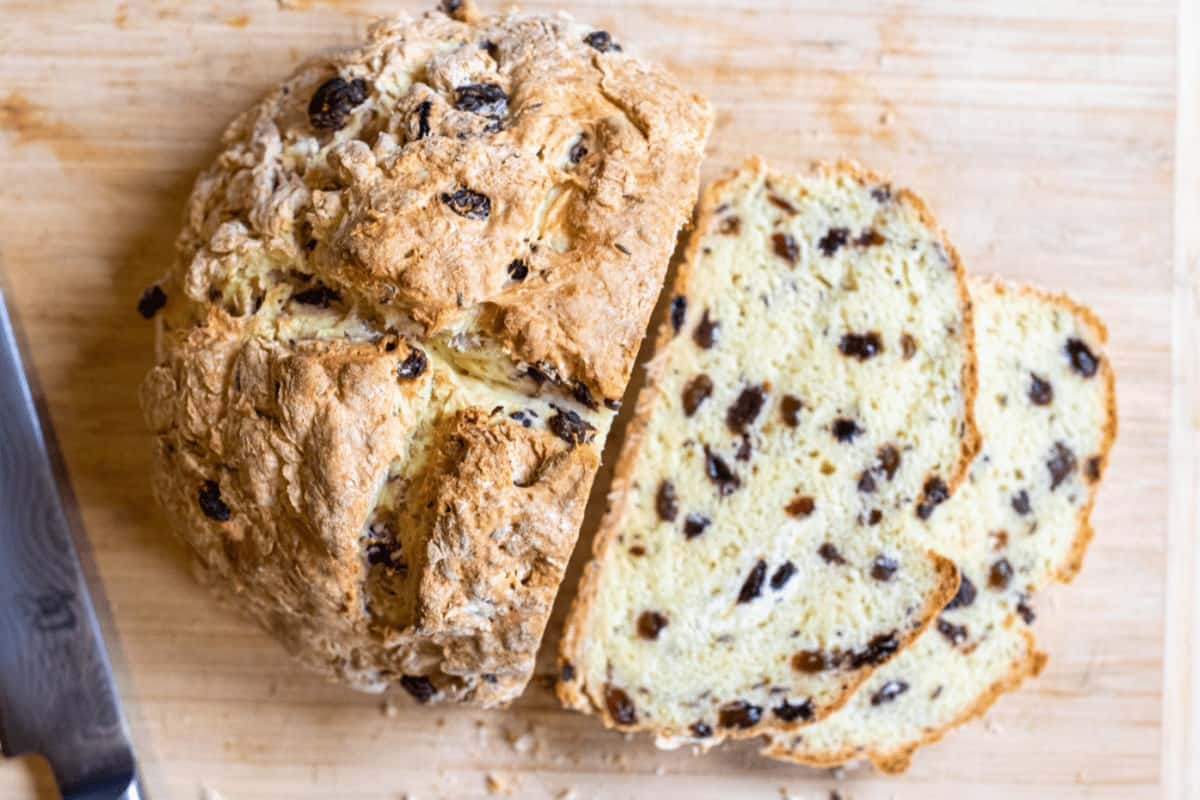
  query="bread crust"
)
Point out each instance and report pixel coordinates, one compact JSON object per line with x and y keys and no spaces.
{"x":407,"y":295}
{"x":575,"y":635}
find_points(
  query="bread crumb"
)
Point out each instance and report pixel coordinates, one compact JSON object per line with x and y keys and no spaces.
{"x":887,"y":118}
{"x":388,"y":708}
{"x":838,"y":773}
{"x":660,"y":770}
{"x":209,"y":794}
{"x":499,"y":784}
{"x":523,"y":744}
{"x":566,"y":794}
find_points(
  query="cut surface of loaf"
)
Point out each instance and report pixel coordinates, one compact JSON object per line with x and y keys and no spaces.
{"x":807,"y":410}
{"x":406,"y":301}
{"x":1047,"y":413}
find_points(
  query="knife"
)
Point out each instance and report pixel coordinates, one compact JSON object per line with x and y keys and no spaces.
{"x":57,"y":697}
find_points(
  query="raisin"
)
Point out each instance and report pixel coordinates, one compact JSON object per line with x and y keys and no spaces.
{"x":701,"y":730}
{"x":518,"y":270}
{"x":965,"y":595}
{"x":833,"y":240}
{"x":934,"y":493}
{"x":333,"y":101}
{"x":830,"y":554}
{"x":678,"y":311}
{"x":888,"y":692}
{"x":739,"y":714}
{"x":1020,"y":502}
{"x":811,"y":661}
{"x":537,"y":375}
{"x":707,"y":332}
{"x":866,"y":482}
{"x":874,"y":517}
{"x":695,"y":393}
{"x":612,"y":405}
{"x":650,"y":623}
{"x":801,"y":506}
{"x":881,"y":193}
{"x":745,"y":409}
{"x":719,"y":473}
{"x":578,"y":152}
{"x":752,"y":588}
{"x":423,"y":109}
{"x":419,"y":686}
{"x":451,"y":6}
{"x":666,"y":503}
{"x":782,"y":204}
{"x":583,"y":395}
{"x":789,"y":408}
{"x":151,"y":301}
{"x":870,"y":238}
{"x":620,"y":707}
{"x":481,"y":98}
{"x":602,"y":41}
{"x":211,"y":503}
{"x":570,"y":427}
{"x":908,"y":346}
{"x":730,"y":226}
{"x":1061,"y":464}
{"x":522,"y":417}
{"x":1041,"y":393}
{"x":1093,"y":467}
{"x":878,"y":650}
{"x":414,"y":365}
{"x":637,"y":551}
{"x":1026,"y":610}
{"x":860,"y":345}
{"x":844,"y":430}
{"x":468,"y":204}
{"x":785,"y":247}
{"x":889,"y":460}
{"x":884,"y":567}
{"x":567,"y":673}
{"x":695,"y":524}
{"x":955,"y":634}
{"x":782,"y":575}
{"x":1083,"y":360}
{"x":1000,"y":575}
{"x":319,"y":295}
{"x":790,"y":713}
{"x":744,"y":448}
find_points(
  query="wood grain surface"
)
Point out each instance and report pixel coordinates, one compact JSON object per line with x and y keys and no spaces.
{"x":1043,"y":134}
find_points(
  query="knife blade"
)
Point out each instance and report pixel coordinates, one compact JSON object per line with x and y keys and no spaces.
{"x":57,"y":696}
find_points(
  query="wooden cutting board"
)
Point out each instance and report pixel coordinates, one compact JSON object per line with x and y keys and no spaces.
{"x":1043,"y":133}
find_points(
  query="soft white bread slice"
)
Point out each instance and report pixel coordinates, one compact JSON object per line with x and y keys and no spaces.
{"x":1047,"y":412}
{"x":808,"y":410}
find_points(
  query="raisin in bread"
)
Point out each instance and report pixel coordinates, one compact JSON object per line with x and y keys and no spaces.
{"x":808,"y":408}
{"x":1046,"y":410}
{"x":406,"y":302}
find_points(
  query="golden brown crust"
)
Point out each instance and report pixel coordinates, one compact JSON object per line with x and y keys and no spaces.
{"x":387,"y":248}
{"x":575,"y":634}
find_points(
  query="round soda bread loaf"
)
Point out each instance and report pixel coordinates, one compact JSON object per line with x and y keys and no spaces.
{"x":808,"y":409}
{"x":1047,"y":413}
{"x":406,"y":302}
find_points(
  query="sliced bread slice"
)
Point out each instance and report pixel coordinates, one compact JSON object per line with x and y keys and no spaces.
{"x":808,"y":410}
{"x":1047,"y":412}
